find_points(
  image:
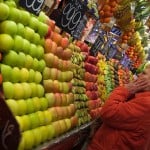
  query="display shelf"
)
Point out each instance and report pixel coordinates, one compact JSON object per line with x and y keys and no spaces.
{"x":68,"y":140}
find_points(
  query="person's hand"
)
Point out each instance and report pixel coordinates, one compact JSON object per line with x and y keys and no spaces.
{"x":138,"y":85}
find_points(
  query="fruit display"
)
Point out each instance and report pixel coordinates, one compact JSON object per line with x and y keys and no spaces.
{"x":124,"y":75}
{"x":90,"y":78}
{"x":57,"y":76}
{"x":22,"y":64}
{"x":50,"y":81}
{"x":107,"y":9}
{"x":79,"y":84}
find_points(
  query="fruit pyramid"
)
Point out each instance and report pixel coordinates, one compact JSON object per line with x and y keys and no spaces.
{"x":22,"y":41}
{"x":79,"y":85}
{"x":57,"y":76}
{"x":90,"y":78}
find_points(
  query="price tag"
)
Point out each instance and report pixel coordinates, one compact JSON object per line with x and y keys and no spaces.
{"x":99,"y":44}
{"x":116,"y":30}
{"x":70,"y":14}
{"x":9,"y":128}
{"x":33,"y":6}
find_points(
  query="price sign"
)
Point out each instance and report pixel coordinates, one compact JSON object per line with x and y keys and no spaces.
{"x":116,"y":30}
{"x":33,"y":6}
{"x":78,"y":31}
{"x":99,"y":44}
{"x":9,"y":129}
{"x":70,"y":15}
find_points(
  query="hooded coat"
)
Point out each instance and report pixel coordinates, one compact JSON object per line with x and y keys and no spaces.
{"x":126,"y":122}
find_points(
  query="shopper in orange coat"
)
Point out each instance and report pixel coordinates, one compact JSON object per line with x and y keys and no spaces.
{"x":126,"y":118}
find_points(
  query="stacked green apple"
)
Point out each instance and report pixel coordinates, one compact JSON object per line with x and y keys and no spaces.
{"x":57,"y":77}
{"x":79,"y":85}
{"x":21,"y":42}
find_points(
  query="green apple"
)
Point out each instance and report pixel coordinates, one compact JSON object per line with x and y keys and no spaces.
{"x":4,"y":11}
{"x":37,"y":77}
{"x":68,"y":124}
{"x":37,"y":136}
{"x":42,"y":29}
{"x":48,"y":117}
{"x":34,"y":119}
{"x":26,"y":122}
{"x":42,"y":119}
{"x":22,"y":107}
{"x":49,"y":59}
{"x":54,"y":113}
{"x":25,"y":17}
{"x":26,"y":46}
{"x":11,"y":58}
{"x":27,"y":90}
{"x":44,"y":133}
{"x":40,"y":52}
{"x":36,"y":38}
{"x":46,"y":73}
{"x":15,"y":75}
{"x":43,"y":17}
{"x":29,"y":34}
{"x":24,"y":75}
{"x":20,"y":29}
{"x":30,"y":106}
{"x":42,"y":41}
{"x":13,"y":106}
{"x":41,"y":65}
{"x":28,"y":62}
{"x":33,"y":23}
{"x":20,"y":122}
{"x":14,"y":14}
{"x":35,"y":64}
{"x":51,"y":131}
{"x":31,"y":75}
{"x":18,"y":91}
{"x":6,"y":43}
{"x":28,"y":137}
{"x":6,"y":71}
{"x":10,"y":3}
{"x":8,"y":27}
{"x":36,"y":103}
{"x":51,"y":99}
{"x":44,"y":103}
{"x":40,"y":90}
{"x":8,"y":89}
{"x":18,"y":43}
{"x":21,"y":60}
{"x":57,"y":128}
{"x":63,"y":126}
{"x":33,"y":87}
{"x":33,"y":50}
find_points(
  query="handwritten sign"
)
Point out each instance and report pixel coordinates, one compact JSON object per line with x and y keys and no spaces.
{"x":70,"y":14}
{"x":78,"y":31}
{"x":9,"y":129}
{"x":99,"y":44}
{"x":33,"y":6}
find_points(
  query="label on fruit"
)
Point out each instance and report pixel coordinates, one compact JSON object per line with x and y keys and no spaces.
{"x":78,"y":31}
{"x":99,"y":44}
{"x":69,"y":15}
{"x":9,"y":128}
{"x":33,"y":6}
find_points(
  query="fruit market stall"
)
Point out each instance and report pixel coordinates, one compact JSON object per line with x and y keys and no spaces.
{"x":59,"y":62}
